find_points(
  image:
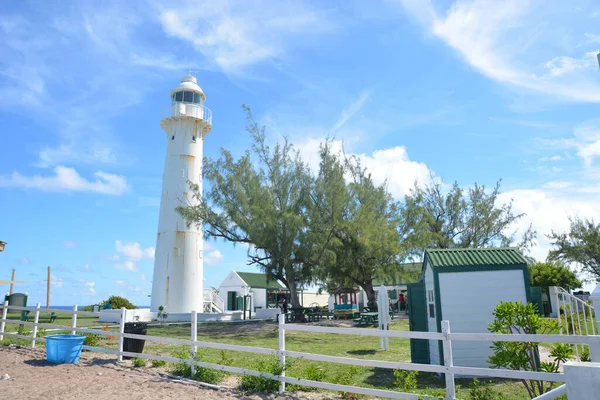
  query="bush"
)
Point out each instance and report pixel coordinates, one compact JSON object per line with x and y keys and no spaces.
{"x":118,"y":302}
{"x":480,"y":392}
{"x":91,"y":339}
{"x":249,"y":383}
{"x":158,"y":363}
{"x":584,"y":355}
{"x":314,"y":373}
{"x":202,"y":374}
{"x":181,"y":368}
{"x":139,"y":362}
{"x":346,"y":377}
{"x":406,"y":380}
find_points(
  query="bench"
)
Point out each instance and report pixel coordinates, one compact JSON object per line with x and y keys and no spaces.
{"x":28,"y":315}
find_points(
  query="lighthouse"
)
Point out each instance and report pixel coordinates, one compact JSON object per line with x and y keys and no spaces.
{"x":177,"y":283}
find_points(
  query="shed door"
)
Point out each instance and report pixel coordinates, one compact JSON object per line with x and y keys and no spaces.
{"x":417,"y":317}
{"x":231,"y":301}
{"x":536,"y":298}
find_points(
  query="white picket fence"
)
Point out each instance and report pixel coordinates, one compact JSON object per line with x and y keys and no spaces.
{"x":446,"y":336}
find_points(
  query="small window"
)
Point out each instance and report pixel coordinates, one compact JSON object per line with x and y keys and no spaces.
{"x":431,"y":311}
{"x":194,"y":139}
{"x":173,"y":137}
{"x":188,"y":97}
{"x":179,"y":96}
{"x":196,"y":98}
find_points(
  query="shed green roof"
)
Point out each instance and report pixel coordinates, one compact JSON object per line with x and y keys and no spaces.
{"x":259,"y":281}
{"x":406,"y":273}
{"x":474,"y":257}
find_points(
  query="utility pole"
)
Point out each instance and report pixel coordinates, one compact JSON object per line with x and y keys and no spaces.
{"x":12,"y":282}
{"x":48,"y":290}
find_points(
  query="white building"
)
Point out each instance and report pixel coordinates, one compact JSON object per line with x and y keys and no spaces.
{"x":264,"y":293}
{"x":178,"y":269}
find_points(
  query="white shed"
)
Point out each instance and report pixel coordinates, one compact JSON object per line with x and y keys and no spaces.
{"x":464,"y":286}
{"x":264,"y":292}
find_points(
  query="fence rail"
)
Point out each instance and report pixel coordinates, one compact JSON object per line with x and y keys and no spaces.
{"x":447,"y":337}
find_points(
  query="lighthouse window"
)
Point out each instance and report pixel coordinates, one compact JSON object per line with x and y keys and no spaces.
{"x":188,"y":97}
{"x":196,"y":98}
{"x":179,"y":96}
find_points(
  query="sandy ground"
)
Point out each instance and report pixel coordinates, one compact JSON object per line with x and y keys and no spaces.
{"x":99,"y":376}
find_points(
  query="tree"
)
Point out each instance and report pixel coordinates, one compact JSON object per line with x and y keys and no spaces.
{"x":519,"y":318}
{"x":471,"y":218}
{"x":367,"y":243}
{"x":118,"y":302}
{"x":581,"y":245}
{"x":547,"y":274}
{"x":263,"y":200}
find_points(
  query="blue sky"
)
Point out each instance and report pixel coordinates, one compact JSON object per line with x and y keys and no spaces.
{"x":471,"y":91}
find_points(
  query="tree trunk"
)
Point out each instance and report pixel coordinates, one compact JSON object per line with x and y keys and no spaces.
{"x":294,"y":299}
{"x":371,"y":299}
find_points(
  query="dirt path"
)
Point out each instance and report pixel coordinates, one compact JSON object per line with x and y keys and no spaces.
{"x":98,"y":376}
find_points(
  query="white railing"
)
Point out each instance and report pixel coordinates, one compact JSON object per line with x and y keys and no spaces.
{"x":212,"y":301}
{"x":446,"y":336}
{"x":190,"y":110}
{"x":575,"y":316}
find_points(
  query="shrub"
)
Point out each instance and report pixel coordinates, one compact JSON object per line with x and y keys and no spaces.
{"x":249,"y":383}
{"x":158,"y":363}
{"x":91,"y":339}
{"x":21,"y":330}
{"x":584,"y":355}
{"x":202,"y":374}
{"x":480,"y":392}
{"x":181,"y":368}
{"x":118,"y":302}
{"x":519,"y":318}
{"x":406,"y":380}
{"x":314,"y":373}
{"x":346,"y":377}
{"x":139,"y":362}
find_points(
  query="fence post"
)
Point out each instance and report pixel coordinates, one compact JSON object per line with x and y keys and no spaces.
{"x":121,"y":333}
{"x":282,"y":350}
{"x":74,"y":320}
{"x":3,"y":322}
{"x":448,"y":362}
{"x":194,"y":339}
{"x":34,"y":331}
{"x":595,"y":348}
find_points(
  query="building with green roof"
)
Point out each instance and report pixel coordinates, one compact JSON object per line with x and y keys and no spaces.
{"x":464,"y":286}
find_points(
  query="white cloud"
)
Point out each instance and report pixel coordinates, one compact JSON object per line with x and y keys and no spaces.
{"x":120,"y":283}
{"x":213,"y":257}
{"x":586,"y":141}
{"x":89,"y":288}
{"x":235,"y":35}
{"x":90,"y":284}
{"x":349,"y":112}
{"x":68,"y":179}
{"x":134,"y":251}
{"x":143,"y":277}
{"x":127,"y":265}
{"x":23,"y":260}
{"x":509,"y":41}
{"x":69,"y":243}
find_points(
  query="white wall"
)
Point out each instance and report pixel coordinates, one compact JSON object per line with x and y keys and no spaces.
{"x":468,"y":300}
{"x":259,"y":298}
{"x":434,"y":349}
{"x":232,"y":283}
{"x":309,"y":298}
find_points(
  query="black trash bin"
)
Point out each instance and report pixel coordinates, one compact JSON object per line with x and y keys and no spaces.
{"x":134,"y":345}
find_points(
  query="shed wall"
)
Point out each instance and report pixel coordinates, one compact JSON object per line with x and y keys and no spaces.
{"x":434,"y":349}
{"x":468,"y":300}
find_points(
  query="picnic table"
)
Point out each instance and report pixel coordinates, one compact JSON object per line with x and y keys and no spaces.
{"x":28,"y":315}
{"x":367,"y":318}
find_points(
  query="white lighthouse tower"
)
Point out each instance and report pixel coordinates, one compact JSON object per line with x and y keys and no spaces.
{"x":178,"y":268}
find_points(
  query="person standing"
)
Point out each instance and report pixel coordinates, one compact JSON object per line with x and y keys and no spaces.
{"x":402,"y":302}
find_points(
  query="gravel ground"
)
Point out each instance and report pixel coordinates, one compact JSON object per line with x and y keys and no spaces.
{"x":99,"y":376}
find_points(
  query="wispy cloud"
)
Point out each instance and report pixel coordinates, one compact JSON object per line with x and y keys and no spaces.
{"x":134,"y":251}
{"x":585,"y":140}
{"x":234,"y":35}
{"x":213,"y":257}
{"x":68,"y":180}
{"x":349,"y":112}
{"x":127,"y":265}
{"x":510,"y":42}
{"x":69,"y":243}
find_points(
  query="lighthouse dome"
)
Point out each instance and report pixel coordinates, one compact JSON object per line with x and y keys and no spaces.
{"x":188,"y":84}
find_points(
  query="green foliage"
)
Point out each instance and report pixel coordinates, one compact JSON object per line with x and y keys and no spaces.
{"x":473,"y":218}
{"x":366,"y":243}
{"x":406,"y":380}
{"x":23,"y":331}
{"x":581,"y":245}
{"x":202,"y":374}
{"x":158,"y":363}
{"x":519,"y":318}
{"x":346,"y":377}
{"x":584,"y":354}
{"x":313,"y":372}
{"x":139,"y":362}
{"x":162,"y":314}
{"x":91,"y":339}
{"x":181,"y":368}
{"x":260,"y":384}
{"x":263,"y":198}
{"x":480,"y":391}
{"x":545,"y":274}
{"x":118,"y":302}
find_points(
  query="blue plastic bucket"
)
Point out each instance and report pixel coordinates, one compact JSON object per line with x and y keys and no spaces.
{"x":63,"y":349}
